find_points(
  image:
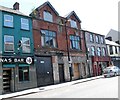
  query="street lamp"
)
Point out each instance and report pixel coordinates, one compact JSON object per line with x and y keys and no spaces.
{"x":68,"y":52}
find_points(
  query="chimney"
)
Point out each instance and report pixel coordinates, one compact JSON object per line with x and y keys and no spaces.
{"x":16,"y":6}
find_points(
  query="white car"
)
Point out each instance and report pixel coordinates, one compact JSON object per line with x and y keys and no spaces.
{"x":111,"y":71}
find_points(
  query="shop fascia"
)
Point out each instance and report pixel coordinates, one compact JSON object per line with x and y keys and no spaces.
{"x":27,"y":60}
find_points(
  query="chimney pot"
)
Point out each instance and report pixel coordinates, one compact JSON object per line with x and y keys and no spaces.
{"x":16,"y":6}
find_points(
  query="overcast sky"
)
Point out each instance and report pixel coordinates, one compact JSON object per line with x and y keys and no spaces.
{"x":98,"y":16}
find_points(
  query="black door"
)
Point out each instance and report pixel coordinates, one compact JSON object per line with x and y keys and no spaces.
{"x":61,"y":73}
{"x":44,"y":71}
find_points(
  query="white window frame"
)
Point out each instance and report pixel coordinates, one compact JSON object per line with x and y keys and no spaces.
{"x":93,"y":51}
{"x":6,"y":21}
{"x":98,"y":51}
{"x":25,"y":45}
{"x":8,"y":43}
{"x":23,"y":20}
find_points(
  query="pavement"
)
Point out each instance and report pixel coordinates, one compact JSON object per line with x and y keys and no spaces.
{"x":46,"y":88}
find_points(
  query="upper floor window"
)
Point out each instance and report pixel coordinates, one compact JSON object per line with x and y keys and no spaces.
{"x":73,"y":23}
{"x":111,"y":49}
{"x":8,"y":20}
{"x":75,"y":42}
{"x":97,"y":39}
{"x":48,"y":16}
{"x":102,"y":40}
{"x":93,"y":51}
{"x":98,"y":51}
{"x":8,"y":43}
{"x":24,"y":24}
{"x":25,"y":45}
{"x":103,"y":52}
{"x":91,"y":38}
{"x":48,"y":38}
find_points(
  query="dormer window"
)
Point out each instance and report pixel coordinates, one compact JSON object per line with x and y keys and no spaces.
{"x":48,"y":16}
{"x":73,"y":23}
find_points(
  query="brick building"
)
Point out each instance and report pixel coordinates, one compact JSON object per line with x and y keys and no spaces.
{"x":59,"y":46}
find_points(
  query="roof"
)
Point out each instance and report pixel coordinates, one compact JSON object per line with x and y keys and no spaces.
{"x":73,"y":13}
{"x":2,"y":8}
{"x":108,"y":42}
{"x":48,"y":3}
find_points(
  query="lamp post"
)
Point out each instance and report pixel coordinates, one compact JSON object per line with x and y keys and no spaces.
{"x":68,"y":52}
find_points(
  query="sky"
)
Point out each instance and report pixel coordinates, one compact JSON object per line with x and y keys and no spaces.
{"x":98,"y":16}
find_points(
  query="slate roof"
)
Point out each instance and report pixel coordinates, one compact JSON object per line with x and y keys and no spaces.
{"x":73,"y":13}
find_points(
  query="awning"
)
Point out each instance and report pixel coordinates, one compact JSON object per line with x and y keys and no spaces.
{"x":9,"y":65}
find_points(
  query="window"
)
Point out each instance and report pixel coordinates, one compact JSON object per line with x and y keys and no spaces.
{"x":73,"y":24}
{"x":25,"y":45}
{"x":48,"y":38}
{"x":75,"y":42}
{"x":98,"y":51}
{"x":102,"y":40}
{"x":111,"y":49}
{"x":48,"y":16}
{"x":91,"y":38}
{"x":8,"y":20}
{"x":8,"y":43}
{"x":23,"y":73}
{"x":116,"y":50}
{"x":24,"y":24}
{"x":103,"y":52}
{"x":93,"y":51}
{"x":97,"y":39}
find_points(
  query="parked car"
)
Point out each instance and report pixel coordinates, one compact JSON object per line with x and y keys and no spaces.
{"x":111,"y":71}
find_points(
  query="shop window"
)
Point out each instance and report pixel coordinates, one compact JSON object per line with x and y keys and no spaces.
{"x":48,"y":38}
{"x":23,"y":73}
{"x":8,"y":43}
{"x":48,"y":16}
{"x":24,"y":24}
{"x":25,"y":45}
{"x":8,"y":20}
{"x":75,"y":42}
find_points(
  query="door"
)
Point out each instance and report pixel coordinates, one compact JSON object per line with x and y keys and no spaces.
{"x":6,"y":80}
{"x":44,"y":71}
{"x":76,"y":71}
{"x":61,"y":73}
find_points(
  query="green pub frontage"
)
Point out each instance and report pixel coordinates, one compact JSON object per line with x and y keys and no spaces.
{"x":17,"y":71}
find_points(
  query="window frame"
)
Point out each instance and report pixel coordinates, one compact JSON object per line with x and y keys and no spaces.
{"x":47,"y":16}
{"x":25,"y":24}
{"x":8,"y":43}
{"x":26,"y":45}
{"x":74,"y":42}
{"x":93,"y":50}
{"x":50,"y":35}
{"x":6,"y":21}
{"x":98,"y":51}
{"x":91,"y":37}
{"x":73,"y":23}
{"x":23,"y":73}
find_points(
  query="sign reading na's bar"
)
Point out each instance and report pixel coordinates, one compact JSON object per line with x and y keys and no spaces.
{"x":28,"y":60}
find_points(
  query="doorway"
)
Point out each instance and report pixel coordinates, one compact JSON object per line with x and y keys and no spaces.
{"x":44,"y":71}
{"x":6,"y":80}
{"x":61,"y":73}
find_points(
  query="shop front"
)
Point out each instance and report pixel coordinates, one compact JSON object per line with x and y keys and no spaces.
{"x":18,"y":73}
{"x":99,"y":63}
